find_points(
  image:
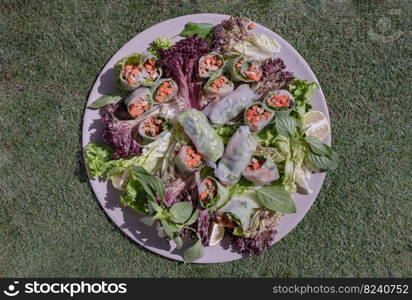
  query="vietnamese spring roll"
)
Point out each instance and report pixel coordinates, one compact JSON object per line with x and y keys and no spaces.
{"x":138,"y":102}
{"x":212,"y":193}
{"x":202,"y":135}
{"x":246,"y":70}
{"x":188,"y":159}
{"x":222,"y":111}
{"x":153,"y":127}
{"x":218,"y":86}
{"x":257,"y":116}
{"x":152,"y":66}
{"x":237,"y":156}
{"x":279,"y":100}
{"x":261,"y":171}
{"x":209,"y":64}
{"x":131,"y":73}
{"x":164,"y":91}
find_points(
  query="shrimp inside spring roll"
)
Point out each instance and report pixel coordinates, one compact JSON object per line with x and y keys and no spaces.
{"x":209,"y":64}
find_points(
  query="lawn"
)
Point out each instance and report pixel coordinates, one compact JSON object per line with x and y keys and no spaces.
{"x":50,"y":221}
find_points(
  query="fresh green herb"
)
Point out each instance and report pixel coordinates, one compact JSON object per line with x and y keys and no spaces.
{"x":178,"y":241}
{"x":180,"y":212}
{"x":285,"y":125}
{"x":105,"y":100}
{"x":316,"y":146}
{"x":276,"y":199}
{"x":193,"y":218}
{"x":201,"y":29}
{"x":195,"y":252}
{"x":226,"y":132}
{"x":324,"y":162}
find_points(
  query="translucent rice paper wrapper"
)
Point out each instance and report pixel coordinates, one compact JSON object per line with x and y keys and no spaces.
{"x":156,"y":86}
{"x":241,"y":208}
{"x":263,"y":176}
{"x":215,"y":95}
{"x":147,"y":57}
{"x":234,"y":73}
{"x":280,"y":92}
{"x":237,"y":156}
{"x":180,"y":161}
{"x":258,"y":126}
{"x":221,"y":197}
{"x":202,"y":135}
{"x":136,"y":95}
{"x":134,"y":59}
{"x":210,"y":73}
{"x":222,"y":111}
{"x":149,"y":138}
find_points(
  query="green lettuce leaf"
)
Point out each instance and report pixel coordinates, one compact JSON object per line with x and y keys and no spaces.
{"x":258,"y":46}
{"x":303,"y":91}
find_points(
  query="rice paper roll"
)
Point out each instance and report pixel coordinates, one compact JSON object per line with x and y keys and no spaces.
{"x":188,"y":159}
{"x":209,"y":64}
{"x":130,"y":72}
{"x":245,"y":70}
{"x":164,"y":91}
{"x":138,"y":102}
{"x":222,"y":111}
{"x":202,"y":135}
{"x":218,"y":86}
{"x":153,"y":127}
{"x":240,"y":209}
{"x":237,"y":156}
{"x":212,"y":193}
{"x":152,"y":66}
{"x":261,"y":171}
{"x":258,"y":116}
{"x":280,"y":100}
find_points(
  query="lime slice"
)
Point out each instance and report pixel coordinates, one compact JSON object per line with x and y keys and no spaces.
{"x":317,"y":124}
{"x":216,"y":234}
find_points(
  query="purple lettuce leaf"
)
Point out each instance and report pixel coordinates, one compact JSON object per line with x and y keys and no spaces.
{"x":119,"y":132}
{"x":181,"y":63}
{"x":274,"y":76}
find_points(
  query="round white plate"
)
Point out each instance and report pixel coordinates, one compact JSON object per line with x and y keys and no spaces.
{"x":128,"y":220}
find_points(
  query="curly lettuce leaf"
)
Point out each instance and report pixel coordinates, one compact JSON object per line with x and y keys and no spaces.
{"x":303,"y":91}
{"x":101,"y":162}
{"x":160,"y":43}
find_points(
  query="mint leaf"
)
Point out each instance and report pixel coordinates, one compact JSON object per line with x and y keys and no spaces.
{"x":276,"y":199}
{"x":193,"y":218}
{"x":168,"y":229}
{"x":105,"y":100}
{"x":180,"y":212}
{"x":201,"y":29}
{"x":285,"y":125}
{"x":324,"y":162}
{"x":178,"y":241}
{"x":194,"y":253}
{"x":316,"y":146}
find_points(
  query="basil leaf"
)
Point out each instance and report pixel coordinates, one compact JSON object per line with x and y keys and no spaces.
{"x":193,"y":253}
{"x":285,"y":125}
{"x":168,"y":229}
{"x":316,"y":146}
{"x":152,"y":185}
{"x":201,"y":29}
{"x":180,"y":212}
{"x":178,"y":241}
{"x":193,"y":218}
{"x":105,"y":100}
{"x":324,"y":162}
{"x":276,"y":199}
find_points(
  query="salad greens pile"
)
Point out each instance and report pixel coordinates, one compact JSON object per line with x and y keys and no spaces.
{"x":211,"y":136}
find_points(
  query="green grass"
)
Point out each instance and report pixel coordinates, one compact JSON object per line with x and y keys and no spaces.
{"x":50,"y":221}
